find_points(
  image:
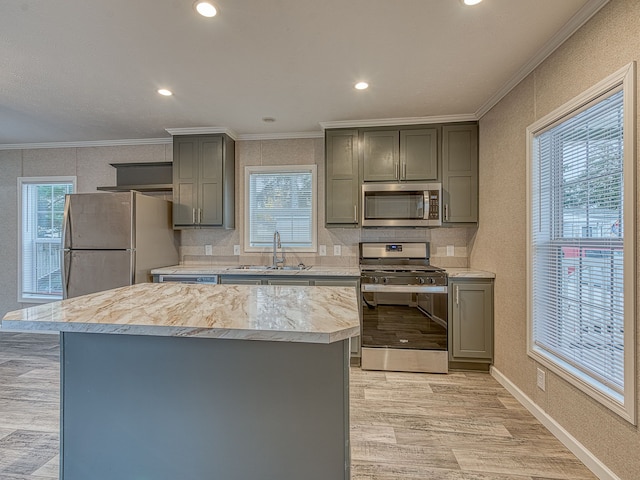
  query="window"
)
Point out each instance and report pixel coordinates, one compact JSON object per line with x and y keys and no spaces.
{"x":40,"y":212}
{"x":282,"y":199}
{"x":581,"y":242}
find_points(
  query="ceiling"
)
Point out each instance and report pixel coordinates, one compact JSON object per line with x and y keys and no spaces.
{"x":88,"y":70}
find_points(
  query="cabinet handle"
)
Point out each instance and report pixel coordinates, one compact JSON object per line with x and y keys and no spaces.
{"x":199,"y":215}
{"x":355,"y":213}
{"x":193,"y":215}
{"x":404,"y":171}
{"x":456,"y":294}
{"x":397,"y":171}
{"x":446,"y":211}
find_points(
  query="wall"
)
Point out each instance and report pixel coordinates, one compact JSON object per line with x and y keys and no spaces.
{"x":606,"y":43}
{"x":311,"y":151}
{"x":91,"y":167}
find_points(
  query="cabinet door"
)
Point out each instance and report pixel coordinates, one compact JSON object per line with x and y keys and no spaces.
{"x":239,"y":280}
{"x":460,"y":173}
{"x":288,"y":281}
{"x":419,"y":154}
{"x":381,"y":155}
{"x":342,"y":184}
{"x":185,"y":181}
{"x":471,"y":321}
{"x":210,"y":182}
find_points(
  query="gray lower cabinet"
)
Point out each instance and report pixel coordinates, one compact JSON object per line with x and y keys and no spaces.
{"x":203,"y":181}
{"x":460,"y":173}
{"x":342,"y":180}
{"x":471,"y":320}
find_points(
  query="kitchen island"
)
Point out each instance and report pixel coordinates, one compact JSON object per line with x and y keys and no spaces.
{"x":165,"y":381}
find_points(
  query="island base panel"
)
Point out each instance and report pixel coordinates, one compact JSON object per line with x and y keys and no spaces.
{"x":146,"y":407}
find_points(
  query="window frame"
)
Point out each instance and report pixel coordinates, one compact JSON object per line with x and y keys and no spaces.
{"x":624,"y":79}
{"x":274,"y":169}
{"x":21,"y":181}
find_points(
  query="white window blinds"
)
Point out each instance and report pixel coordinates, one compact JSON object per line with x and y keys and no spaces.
{"x":282,"y":199}
{"x":581,"y":261}
{"x":578,"y":253}
{"x":42,"y":209}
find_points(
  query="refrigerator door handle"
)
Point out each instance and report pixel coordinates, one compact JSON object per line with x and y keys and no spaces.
{"x":66,"y":223}
{"x":66,"y":270}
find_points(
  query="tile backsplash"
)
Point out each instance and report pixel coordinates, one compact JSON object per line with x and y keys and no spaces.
{"x":311,"y":151}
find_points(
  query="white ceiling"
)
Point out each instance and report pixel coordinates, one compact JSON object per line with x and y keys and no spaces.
{"x":88,"y":70}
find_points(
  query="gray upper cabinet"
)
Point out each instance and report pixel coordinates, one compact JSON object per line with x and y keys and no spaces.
{"x":460,"y":173}
{"x":400,"y":155}
{"x":419,"y":154}
{"x":381,"y":156}
{"x":203,"y":181}
{"x":342,"y":182}
{"x":471,"y":321}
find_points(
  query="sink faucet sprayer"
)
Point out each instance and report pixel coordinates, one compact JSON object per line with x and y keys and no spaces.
{"x":276,"y":245}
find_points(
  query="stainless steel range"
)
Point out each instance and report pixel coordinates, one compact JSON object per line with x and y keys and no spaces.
{"x":404,"y":309}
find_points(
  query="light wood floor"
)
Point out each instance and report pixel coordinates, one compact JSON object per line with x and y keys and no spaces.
{"x":461,"y":426}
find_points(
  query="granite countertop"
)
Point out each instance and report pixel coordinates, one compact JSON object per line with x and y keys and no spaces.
{"x":199,"y":269}
{"x":248,"y":312}
{"x":468,"y":273}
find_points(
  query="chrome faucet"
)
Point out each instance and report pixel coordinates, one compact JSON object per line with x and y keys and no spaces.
{"x":277,"y":262}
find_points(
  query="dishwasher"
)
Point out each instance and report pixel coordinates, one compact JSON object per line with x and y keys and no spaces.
{"x":187,"y":278}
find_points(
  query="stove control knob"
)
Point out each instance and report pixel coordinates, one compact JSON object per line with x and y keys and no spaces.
{"x":432,"y":280}
{"x":385,"y":280}
{"x":376,"y":280}
{"x":420,"y":280}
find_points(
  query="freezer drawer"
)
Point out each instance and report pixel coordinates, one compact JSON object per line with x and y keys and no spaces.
{"x":90,"y":271}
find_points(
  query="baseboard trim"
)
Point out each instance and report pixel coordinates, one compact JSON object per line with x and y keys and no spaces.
{"x":578,"y":449}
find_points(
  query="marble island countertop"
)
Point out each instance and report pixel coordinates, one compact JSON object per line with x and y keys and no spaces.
{"x":248,"y":312}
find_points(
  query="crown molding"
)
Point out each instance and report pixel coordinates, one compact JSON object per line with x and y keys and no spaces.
{"x":202,"y":131}
{"x":92,"y":143}
{"x":384,"y":122}
{"x":281,"y":136}
{"x":578,"y":20}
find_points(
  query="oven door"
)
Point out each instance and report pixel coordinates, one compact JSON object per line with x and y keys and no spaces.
{"x":404,"y":328}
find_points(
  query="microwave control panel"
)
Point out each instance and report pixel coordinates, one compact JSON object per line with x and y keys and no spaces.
{"x":434,"y":204}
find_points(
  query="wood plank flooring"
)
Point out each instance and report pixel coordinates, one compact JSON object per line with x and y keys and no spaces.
{"x":460,"y":426}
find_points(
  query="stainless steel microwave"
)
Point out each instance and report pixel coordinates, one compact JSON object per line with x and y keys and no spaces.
{"x":401,"y":205}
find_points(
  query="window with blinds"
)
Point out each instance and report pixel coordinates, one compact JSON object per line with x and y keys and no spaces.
{"x":281,"y":199}
{"x":41,"y":210}
{"x":580,"y":230}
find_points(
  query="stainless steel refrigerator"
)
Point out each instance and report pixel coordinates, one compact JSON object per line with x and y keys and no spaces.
{"x":114,"y":239}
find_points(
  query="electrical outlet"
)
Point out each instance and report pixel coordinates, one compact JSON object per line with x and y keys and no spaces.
{"x":236,"y":249}
{"x":208,"y":250}
{"x":541,"y":380}
{"x":337,"y":250}
{"x":450,"y":251}
{"x":323,"y":250}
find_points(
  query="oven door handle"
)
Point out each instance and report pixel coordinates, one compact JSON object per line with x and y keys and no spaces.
{"x":404,"y":288}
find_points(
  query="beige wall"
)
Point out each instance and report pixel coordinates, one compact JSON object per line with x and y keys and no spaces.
{"x":606,"y":43}
{"x":91,"y":167}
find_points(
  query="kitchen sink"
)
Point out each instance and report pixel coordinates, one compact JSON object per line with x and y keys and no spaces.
{"x":269,"y":267}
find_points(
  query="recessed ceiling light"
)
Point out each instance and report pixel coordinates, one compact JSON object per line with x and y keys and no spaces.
{"x":471,"y":2}
{"x":205,"y":8}
{"x":361,"y":85}
{"x":165,"y":92}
